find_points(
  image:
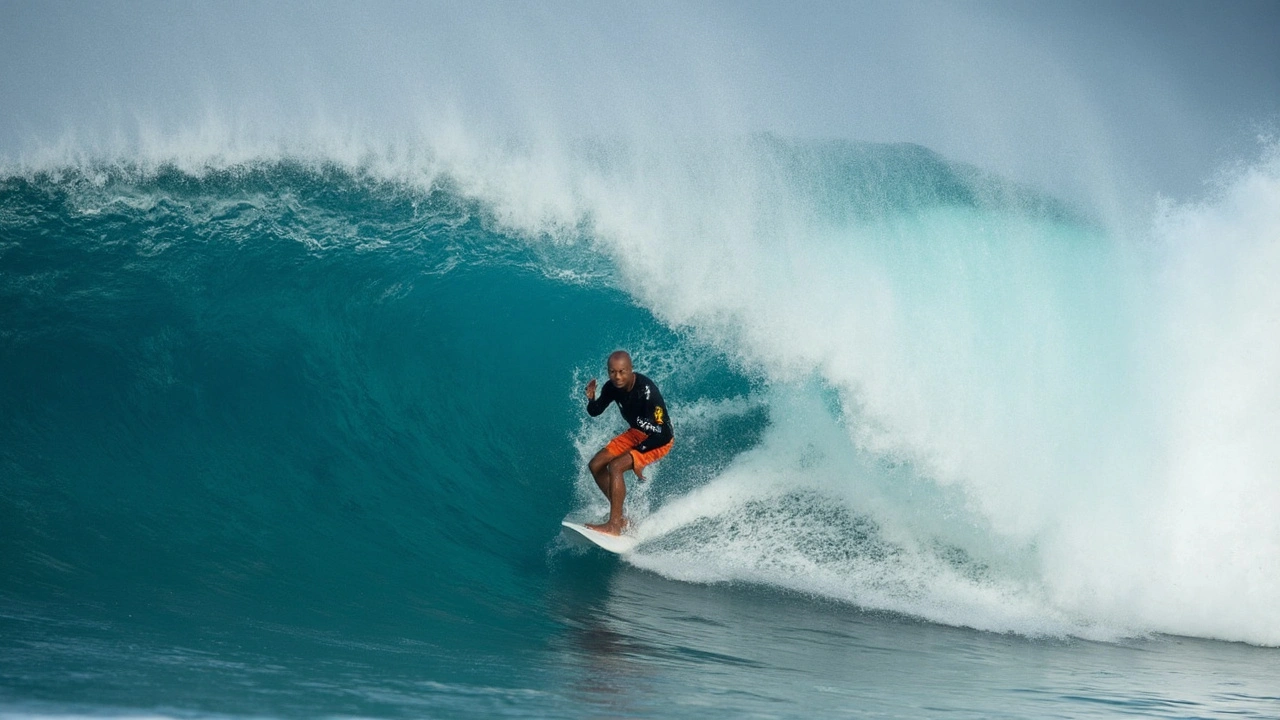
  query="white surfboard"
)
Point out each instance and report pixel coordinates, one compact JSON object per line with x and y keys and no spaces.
{"x":620,"y":544}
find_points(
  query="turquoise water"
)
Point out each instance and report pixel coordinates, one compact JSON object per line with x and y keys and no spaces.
{"x":293,"y":437}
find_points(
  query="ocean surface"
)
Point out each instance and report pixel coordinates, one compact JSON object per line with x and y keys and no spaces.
{"x":289,"y":435}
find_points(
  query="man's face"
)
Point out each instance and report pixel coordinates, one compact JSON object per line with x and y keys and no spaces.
{"x":620,"y":373}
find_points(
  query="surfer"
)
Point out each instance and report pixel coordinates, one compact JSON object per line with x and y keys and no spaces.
{"x":647,"y":440}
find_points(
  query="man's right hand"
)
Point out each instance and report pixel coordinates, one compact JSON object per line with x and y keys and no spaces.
{"x":591,"y":390}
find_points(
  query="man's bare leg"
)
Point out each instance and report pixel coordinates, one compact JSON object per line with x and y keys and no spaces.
{"x":599,"y":467}
{"x":609,"y":476}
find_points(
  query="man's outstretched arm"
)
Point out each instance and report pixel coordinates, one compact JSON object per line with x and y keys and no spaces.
{"x":596,"y":405}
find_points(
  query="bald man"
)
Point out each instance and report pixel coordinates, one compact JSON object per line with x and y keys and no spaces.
{"x":648,"y":439}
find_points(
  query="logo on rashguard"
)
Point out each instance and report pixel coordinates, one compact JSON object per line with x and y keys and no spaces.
{"x":657,"y":414}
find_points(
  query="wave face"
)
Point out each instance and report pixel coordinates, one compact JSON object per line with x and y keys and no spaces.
{"x":298,"y":387}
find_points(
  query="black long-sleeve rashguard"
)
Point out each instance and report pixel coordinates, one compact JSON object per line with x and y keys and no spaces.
{"x":643,"y":408}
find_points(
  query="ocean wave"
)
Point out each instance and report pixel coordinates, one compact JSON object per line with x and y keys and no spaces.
{"x":897,"y":382}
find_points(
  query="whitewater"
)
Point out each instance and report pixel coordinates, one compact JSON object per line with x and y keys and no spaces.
{"x":290,"y":414}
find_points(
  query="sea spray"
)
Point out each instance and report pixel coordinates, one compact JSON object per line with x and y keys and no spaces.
{"x":1099,"y":408}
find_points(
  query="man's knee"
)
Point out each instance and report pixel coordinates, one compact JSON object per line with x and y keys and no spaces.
{"x":599,"y":462}
{"x":620,"y":464}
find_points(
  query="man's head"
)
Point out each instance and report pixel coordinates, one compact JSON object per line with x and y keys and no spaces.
{"x":620,"y":373}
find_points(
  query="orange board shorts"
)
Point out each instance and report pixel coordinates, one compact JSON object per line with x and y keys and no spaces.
{"x":631,"y":438}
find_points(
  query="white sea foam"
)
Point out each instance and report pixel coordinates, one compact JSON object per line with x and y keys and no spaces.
{"x":1054,"y":429}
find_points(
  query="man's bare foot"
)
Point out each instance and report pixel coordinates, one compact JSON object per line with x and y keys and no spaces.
{"x":611,"y":528}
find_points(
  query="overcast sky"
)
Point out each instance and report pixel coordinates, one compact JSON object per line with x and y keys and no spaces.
{"x":1158,"y":93}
